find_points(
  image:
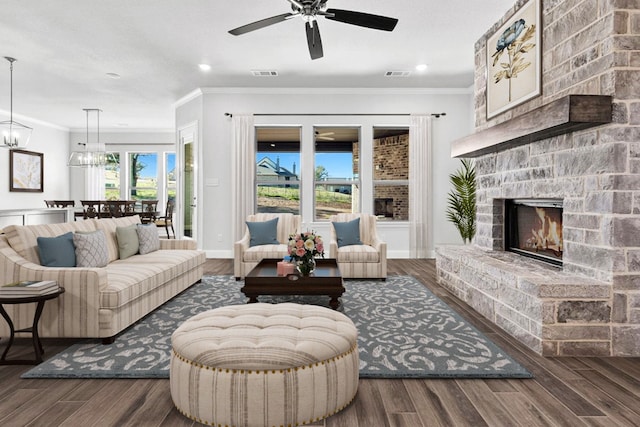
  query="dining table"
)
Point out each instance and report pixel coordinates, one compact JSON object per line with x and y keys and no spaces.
{"x":116,"y":209}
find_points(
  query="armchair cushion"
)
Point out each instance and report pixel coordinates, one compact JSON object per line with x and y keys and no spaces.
{"x":348,"y":233}
{"x":263,"y":232}
{"x":57,"y":251}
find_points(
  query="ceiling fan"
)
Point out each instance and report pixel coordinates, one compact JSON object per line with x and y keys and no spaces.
{"x":327,"y":136}
{"x":309,"y":10}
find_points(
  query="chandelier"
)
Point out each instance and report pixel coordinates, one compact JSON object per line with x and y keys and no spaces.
{"x":89,"y":158}
{"x":14,"y":134}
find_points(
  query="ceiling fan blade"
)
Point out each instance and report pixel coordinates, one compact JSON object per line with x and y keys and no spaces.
{"x":261,"y":24}
{"x":313,"y":40}
{"x":376,"y":22}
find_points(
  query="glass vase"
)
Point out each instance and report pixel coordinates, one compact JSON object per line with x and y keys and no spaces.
{"x":306,"y":266}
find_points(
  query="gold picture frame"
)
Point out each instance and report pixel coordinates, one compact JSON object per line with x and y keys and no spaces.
{"x":514,"y":61}
{"x":26,"y":171}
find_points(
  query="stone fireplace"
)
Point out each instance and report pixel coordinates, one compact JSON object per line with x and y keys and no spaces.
{"x":557,"y":147}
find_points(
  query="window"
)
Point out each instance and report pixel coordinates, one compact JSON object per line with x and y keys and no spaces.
{"x":143,"y":176}
{"x":112,"y":177}
{"x":336,"y":178}
{"x":391,"y":174}
{"x":277,"y":169}
{"x":170,"y":175}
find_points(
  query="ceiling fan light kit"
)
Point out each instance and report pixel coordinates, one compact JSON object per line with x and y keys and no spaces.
{"x":309,"y":10}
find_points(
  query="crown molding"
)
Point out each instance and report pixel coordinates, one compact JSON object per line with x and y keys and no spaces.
{"x":124,"y":130}
{"x":31,"y":120}
{"x":329,"y":91}
{"x":188,"y":97}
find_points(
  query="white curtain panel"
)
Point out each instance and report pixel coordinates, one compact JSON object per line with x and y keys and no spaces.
{"x":420,"y":198}
{"x":95,"y":183}
{"x":243,"y":170}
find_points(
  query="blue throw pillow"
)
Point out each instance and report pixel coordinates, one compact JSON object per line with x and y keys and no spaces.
{"x":348,"y":233}
{"x":57,"y":251}
{"x":263,"y":232}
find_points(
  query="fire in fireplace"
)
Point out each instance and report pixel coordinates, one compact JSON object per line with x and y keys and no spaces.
{"x":533,"y":227}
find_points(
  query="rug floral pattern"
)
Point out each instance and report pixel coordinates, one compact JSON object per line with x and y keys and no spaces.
{"x":404,"y":331}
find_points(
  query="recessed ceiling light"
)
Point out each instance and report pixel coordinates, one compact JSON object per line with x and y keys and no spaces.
{"x":204,"y":67}
{"x":422,"y":67}
{"x":113,"y":75}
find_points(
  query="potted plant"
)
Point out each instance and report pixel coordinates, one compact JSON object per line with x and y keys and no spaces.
{"x":461,"y":202}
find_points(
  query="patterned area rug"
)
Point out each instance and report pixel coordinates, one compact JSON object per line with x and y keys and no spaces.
{"x":404,"y":331}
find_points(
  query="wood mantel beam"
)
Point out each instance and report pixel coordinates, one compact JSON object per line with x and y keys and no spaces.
{"x":564,"y":115}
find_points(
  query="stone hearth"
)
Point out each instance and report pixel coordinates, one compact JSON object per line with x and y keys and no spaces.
{"x":590,"y":305}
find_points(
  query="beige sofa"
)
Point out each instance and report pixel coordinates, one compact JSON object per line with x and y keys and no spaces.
{"x":98,"y":302}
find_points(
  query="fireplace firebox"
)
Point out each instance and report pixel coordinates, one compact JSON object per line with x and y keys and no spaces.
{"x":533,"y":228}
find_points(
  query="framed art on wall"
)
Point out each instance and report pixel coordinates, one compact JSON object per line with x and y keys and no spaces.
{"x":514,"y":61}
{"x":26,"y":171}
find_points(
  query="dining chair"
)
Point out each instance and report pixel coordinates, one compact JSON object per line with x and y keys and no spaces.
{"x":64,"y":203}
{"x":50,"y":203}
{"x":149,"y":211}
{"x":166,"y":221}
{"x":91,"y":208}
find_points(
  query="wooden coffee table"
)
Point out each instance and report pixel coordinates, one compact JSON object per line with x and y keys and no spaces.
{"x":264,"y":280}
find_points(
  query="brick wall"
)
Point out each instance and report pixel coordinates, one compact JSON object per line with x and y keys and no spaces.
{"x":391,"y":161}
{"x":588,"y":47}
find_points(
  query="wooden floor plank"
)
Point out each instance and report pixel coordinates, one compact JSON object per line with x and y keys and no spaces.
{"x":127,"y":404}
{"x":369,"y":406}
{"x":565,"y":391}
{"x":483,"y":398}
{"x":154,"y":409}
{"x":56,"y":415}
{"x":394,"y":396}
{"x":12,"y":403}
{"x":458,"y":405}
{"x":405,"y":419}
{"x":101,"y":402}
{"x":548,"y":404}
{"x":41,"y":404}
{"x":621,"y":415}
{"x":429,"y":406}
{"x":623,"y":379}
{"x":558,"y":387}
{"x":526,"y":412}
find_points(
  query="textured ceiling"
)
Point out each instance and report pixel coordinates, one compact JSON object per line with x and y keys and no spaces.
{"x":65,"y":48}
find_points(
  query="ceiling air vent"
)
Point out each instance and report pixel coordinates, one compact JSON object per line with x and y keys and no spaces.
{"x":397,"y":73}
{"x":264,"y":73}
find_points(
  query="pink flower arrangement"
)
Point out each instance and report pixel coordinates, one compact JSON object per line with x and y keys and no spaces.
{"x":305,"y":246}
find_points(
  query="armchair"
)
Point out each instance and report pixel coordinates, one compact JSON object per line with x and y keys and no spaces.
{"x":246,"y":257}
{"x":368,"y":260}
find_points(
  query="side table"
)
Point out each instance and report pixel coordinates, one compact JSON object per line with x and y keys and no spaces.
{"x":37,"y":345}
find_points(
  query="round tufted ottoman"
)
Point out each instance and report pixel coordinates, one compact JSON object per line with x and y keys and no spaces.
{"x":264,"y":365}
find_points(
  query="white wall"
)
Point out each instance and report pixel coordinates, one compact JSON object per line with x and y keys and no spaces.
{"x":116,"y":141}
{"x":53,"y":142}
{"x":215,"y":145}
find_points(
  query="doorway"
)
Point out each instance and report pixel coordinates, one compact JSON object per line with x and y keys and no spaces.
{"x":188,"y":185}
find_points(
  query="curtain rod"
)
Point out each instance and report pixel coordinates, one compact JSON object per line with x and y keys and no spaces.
{"x":436,"y":115}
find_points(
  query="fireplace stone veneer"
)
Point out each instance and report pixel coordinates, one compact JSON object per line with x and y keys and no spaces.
{"x":539,"y":149}
{"x":552,"y":312}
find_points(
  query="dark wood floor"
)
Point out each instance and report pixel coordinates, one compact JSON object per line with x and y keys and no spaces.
{"x":565,"y":392}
